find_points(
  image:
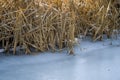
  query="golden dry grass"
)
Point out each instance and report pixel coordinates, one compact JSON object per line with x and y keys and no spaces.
{"x":54,"y":24}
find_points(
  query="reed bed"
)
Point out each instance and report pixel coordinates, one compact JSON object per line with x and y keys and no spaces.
{"x":42,"y":25}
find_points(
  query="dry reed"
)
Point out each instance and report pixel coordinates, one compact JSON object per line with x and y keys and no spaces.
{"x":54,"y":24}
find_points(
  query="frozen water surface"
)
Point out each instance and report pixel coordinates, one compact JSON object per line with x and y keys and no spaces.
{"x":94,"y":64}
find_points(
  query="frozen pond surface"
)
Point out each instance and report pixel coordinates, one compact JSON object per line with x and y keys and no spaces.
{"x":99,"y":64}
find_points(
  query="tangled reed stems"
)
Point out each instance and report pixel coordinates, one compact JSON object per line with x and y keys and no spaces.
{"x":53,"y":24}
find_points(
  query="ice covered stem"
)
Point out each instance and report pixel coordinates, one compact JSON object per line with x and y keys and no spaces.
{"x":71,"y":38}
{"x":71,"y":43}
